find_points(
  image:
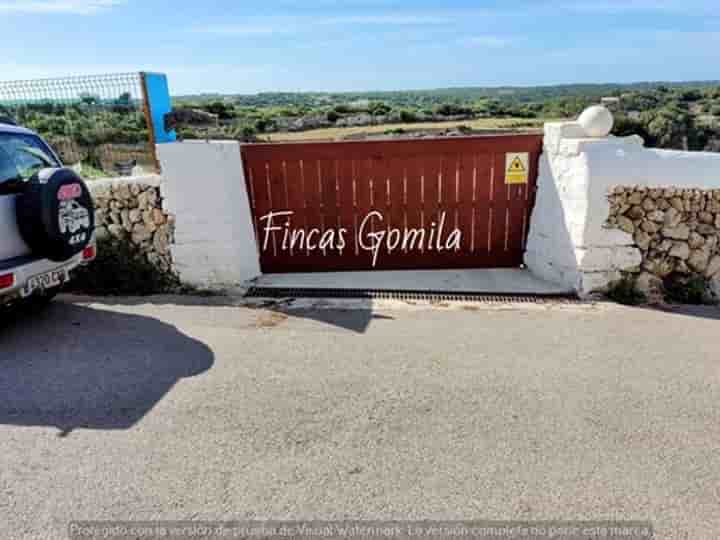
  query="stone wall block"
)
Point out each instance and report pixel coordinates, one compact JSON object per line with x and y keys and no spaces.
{"x":131,"y":210}
{"x":676,"y":232}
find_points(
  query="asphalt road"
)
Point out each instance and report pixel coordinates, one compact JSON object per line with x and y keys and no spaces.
{"x":182,"y":410}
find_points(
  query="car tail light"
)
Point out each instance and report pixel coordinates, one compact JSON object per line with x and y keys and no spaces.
{"x":7,"y":281}
{"x":89,"y":253}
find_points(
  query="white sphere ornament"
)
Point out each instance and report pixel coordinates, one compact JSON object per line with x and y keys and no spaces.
{"x":596,"y":121}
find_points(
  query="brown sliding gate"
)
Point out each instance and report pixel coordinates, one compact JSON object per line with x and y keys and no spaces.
{"x":397,"y":204}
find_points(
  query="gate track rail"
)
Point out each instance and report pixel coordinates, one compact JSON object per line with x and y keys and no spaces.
{"x":410,"y":295}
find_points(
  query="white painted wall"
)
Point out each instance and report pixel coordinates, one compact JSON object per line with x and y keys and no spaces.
{"x":204,"y":186}
{"x":567,"y":243}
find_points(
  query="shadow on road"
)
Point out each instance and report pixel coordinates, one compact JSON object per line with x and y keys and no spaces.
{"x":217,"y":300}
{"x":353,"y":320}
{"x":711,"y":312}
{"x":356,"y":319}
{"x":71,"y":367}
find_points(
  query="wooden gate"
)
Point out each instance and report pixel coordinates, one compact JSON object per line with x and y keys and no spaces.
{"x":397,"y":204}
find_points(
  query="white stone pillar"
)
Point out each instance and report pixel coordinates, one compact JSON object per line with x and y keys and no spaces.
{"x":567,"y":242}
{"x":204,"y":186}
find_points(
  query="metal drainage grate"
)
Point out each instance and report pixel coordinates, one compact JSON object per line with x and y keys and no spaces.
{"x":423,"y":296}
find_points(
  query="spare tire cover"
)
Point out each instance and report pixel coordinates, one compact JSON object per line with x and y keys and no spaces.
{"x":55,"y":214}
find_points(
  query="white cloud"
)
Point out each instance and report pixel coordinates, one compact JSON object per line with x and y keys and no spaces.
{"x":271,"y":25}
{"x":243,"y":29}
{"x":490,"y":42}
{"x":387,"y":19}
{"x":74,"y":7}
{"x":687,"y":7}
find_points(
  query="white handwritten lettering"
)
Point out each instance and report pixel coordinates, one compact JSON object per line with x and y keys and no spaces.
{"x":371,"y":236}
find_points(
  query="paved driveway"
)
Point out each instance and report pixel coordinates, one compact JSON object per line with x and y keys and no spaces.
{"x":174,"y":410}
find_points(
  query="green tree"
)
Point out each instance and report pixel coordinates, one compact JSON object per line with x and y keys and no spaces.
{"x":408,"y":116}
{"x":224,"y":111}
{"x":123,"y":103}
{"x":88,"y":99}
{"x":625,"y":126}
{"x":668,"y":127}
{"x":690,"y":95}
{"x":378,"y":108}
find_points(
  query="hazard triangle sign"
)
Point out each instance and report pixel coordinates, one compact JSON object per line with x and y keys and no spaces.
{"x":517,"y":168}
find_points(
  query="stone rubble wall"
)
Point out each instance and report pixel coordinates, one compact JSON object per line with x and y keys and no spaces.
{"x":131,"y":209}
{"x":677,"y":230}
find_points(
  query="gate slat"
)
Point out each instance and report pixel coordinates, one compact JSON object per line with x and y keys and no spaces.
{"x":261,"y":202}
{"x":364,"y":185}
{"x":346,"y":210}
{"x":414,"y":195}
{"x":498,"y":206}
{"x":296,"y":203}
{"x":395,"y":210}
{"x":328,"y":204}
{"x":466,"y":203}
{"x":431,"y":173}
{"x":448,"y":174}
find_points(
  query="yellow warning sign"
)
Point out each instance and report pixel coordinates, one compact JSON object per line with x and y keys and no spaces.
{"x":517,"y":167}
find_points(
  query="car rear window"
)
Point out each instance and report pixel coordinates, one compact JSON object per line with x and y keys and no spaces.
{"x":21,"y":156}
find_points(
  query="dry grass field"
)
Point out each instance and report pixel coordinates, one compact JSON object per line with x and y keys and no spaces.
{"x":509,"y":124}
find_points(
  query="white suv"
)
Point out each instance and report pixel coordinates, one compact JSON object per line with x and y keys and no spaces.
{"x":46,"y":218}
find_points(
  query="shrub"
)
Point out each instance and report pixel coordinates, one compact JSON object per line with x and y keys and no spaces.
{"x":378,"y":108}
{"x":120,"y":269}
{"x":681,"y":289}
{"x":451,"y":109}
{"x":407,"y":116}
{"x":262,"y":125}
{"x":224,"y":111}
{"x":245,"y":133}
{"x":625,"y":292}
{"x":625,"y":126}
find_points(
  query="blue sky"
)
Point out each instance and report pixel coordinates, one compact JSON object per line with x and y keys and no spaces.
{"x":246,"y":46}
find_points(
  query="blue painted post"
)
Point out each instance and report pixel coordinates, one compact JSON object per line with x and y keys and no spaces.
{"x":157,"y":99}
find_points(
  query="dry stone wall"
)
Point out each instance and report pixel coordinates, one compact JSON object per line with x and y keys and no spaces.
{"x":677,"y":231}
{"x":131,"y":209}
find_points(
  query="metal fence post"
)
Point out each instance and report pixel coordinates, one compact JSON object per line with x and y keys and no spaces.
{"x":149,"y":119}
{"x":157,"y":104}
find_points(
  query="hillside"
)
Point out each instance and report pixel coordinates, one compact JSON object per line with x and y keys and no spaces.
{"x":670,"y":115}
{"x":407,"y":97}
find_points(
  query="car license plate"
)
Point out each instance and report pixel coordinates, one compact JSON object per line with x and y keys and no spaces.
{"x":48,"y":280}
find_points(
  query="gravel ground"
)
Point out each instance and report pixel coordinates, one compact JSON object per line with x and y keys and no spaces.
{"x":199,"y":409}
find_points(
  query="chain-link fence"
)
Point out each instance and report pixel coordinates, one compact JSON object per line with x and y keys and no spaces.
{"x":97,"y":124}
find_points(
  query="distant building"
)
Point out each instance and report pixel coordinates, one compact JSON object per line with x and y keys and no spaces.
{"x":634,"y":115}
